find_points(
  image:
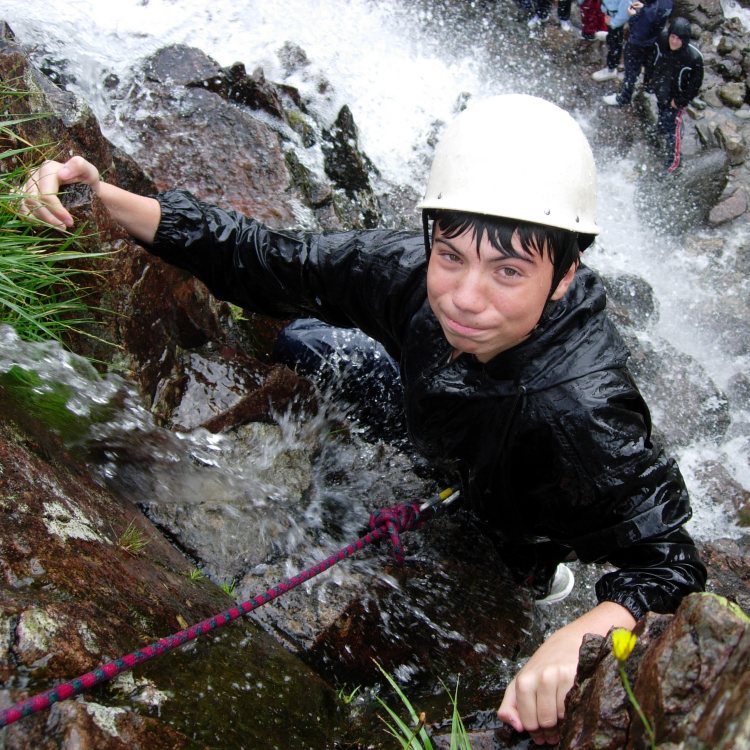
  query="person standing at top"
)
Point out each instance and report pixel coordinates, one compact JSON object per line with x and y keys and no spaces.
{"x":593,"y":23}
{"x":674,"y":74}
{"x":513,"y":376}
{"x":541,"y":11}
{"x":646,"y":21}
{"x":616,"y":16}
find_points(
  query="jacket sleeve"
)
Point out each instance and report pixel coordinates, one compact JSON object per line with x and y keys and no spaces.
{"x":694,"y":81}
{"x":362,"y":279}
{"x":621,"y":17}
{"x":629,"y":502}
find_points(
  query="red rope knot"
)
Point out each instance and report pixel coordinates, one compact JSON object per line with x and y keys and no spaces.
{"x":401,"y":517}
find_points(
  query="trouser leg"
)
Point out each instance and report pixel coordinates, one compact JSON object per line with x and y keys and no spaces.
{"x":634,"y":58}
{"x":526,"y":5}
{"x":542,"y":8}
{"x":614,"y":47}
{"x":669,"y":124}
{"x":353,"y":367}
{"x":592,"y":18}
{"x":563,"y":9}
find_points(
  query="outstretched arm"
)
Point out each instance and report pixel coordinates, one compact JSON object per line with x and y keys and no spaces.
{"x":138,"y":215}
{"x":534,"y":701}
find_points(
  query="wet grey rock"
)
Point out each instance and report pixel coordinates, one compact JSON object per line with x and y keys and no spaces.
{"x":718,"y":485}
{"x":708,"y":14}
{"x":729,"y":563}
{"x":254,"y":91}
{"x":680,"y":201}
{"x":178,"y":65}
{"x":630,"y":301}
{"x":702,"y":409}
{"x":343,"y":164}
{"x":732,"y":141}
{"x":733,"y":94}
{"x":729,"y":208}
{"x":689,"y":673}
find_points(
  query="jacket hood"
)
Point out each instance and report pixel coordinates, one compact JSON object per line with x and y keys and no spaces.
{"x":680,"y":27}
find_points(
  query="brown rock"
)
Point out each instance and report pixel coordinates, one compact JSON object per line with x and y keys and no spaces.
{"x":733,"y":94}
{"x":689,"y":673}
{"x":729,"y":209}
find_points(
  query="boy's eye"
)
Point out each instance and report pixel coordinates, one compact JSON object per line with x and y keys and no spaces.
{"x":509,"y":272}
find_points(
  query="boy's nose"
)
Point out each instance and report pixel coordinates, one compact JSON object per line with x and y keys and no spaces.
{"x":468,"y":294}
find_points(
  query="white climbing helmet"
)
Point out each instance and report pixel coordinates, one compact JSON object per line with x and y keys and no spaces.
{"x":516,"y":156}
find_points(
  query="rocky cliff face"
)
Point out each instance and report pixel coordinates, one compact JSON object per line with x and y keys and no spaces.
{"x":76,"y":594}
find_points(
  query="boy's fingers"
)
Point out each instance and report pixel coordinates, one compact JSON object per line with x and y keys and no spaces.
{"x":48,"y":211}
{"x":46,"y":216}
{"x":40,"y":197}
{"x":508,"y":712}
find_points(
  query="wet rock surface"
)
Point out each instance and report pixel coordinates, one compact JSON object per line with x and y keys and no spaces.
{"x":78,"y":592}
{"x":689,"y":673}
{"x":72,"y":597}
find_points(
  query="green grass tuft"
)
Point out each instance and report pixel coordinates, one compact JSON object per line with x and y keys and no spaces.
{"x":41,"y":290}
{"x":413,"y":735}
{"x":132,"y":540}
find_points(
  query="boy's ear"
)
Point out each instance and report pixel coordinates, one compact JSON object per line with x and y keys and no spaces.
{"x":565,"y":282}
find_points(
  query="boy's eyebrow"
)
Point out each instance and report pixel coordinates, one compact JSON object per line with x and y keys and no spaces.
{"x":526,"y":257}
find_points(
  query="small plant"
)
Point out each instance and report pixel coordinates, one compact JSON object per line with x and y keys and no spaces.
{"x":132,"y":540}
{"x":415,"y":737}
{"x":229,"y":587}
{"x":196,"y":574}
{"x":623,"y":643}
{"x":238,"y":313}
{"x":346,"y":696}
{"x":39,"y":291}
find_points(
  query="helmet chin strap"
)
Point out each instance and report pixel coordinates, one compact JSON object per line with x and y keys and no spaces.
{"x":426,"y":232}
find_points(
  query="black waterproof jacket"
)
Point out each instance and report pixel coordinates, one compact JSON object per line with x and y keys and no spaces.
{"x":551,"y":438}
{"x":674,"y":76}
{"x":648,"y":22}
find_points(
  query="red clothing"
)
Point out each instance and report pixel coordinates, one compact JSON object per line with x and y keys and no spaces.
{"x":592,"y":17}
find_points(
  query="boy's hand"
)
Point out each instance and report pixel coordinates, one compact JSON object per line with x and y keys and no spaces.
{"x":534,"y":700}
{"x":40,"y":191}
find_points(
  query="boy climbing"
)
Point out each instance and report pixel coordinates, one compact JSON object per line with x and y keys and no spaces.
{"x":512,"y":373}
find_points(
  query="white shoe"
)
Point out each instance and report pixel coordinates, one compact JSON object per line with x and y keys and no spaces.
{"x":562,"y":585}
{"x":533,"y":22}
{"x":566,"y":25}
{"x":605,"y":74}
{"x":600,"y":35}
{"x":611,"y":100}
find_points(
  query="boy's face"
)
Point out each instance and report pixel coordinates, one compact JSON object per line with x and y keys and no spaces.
{"x":674,"y":42}
{"x":487,"y":302}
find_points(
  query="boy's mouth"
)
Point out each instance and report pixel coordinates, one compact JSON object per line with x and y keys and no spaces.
{"x":460,"y":328}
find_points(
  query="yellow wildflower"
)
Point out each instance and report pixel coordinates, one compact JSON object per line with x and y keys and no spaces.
{"x":623,"y":642}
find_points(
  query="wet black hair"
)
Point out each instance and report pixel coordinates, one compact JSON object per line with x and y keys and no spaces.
{"x":561,"y":246}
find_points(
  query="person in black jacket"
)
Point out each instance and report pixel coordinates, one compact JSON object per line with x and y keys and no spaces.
{"x":512,"y":372}
{"x":674,"y":73}
{"x":646,"y":21}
